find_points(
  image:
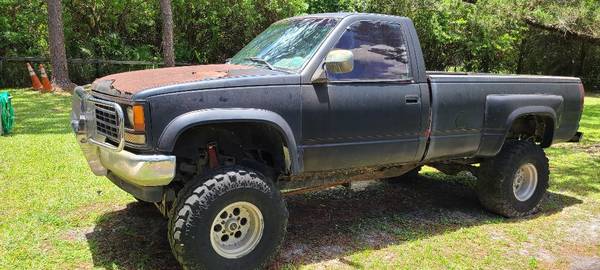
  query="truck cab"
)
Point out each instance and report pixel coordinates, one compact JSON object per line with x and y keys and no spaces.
{"x":376,"y":113}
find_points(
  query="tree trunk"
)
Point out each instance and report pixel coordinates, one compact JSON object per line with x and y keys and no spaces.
{"x":581,"y":61}
{"x":167,"y":33}
{"x":56,"y":40}
{"x":522,"y":52}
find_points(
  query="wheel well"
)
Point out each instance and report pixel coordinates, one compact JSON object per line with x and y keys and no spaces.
{"x":537,"y":128}
{"x":256,"y":145}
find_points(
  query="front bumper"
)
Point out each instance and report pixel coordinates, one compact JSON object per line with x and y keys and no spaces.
{"x":104,"y":158}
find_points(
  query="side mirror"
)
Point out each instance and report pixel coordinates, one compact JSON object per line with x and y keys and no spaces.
{"x":339,"y":61}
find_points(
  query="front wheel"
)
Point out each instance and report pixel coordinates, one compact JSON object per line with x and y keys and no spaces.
{"x":514,"y":182}
{"x":232,"y":219}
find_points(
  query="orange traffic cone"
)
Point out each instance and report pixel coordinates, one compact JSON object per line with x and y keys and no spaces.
{"x":35,"y":81}
{"x":45,"y":82}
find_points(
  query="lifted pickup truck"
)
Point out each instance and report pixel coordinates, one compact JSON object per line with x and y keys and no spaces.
{"x":313,"y":102}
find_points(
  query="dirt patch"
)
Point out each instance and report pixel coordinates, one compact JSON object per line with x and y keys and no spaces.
{"x":541,"y":254}
{"x":46,"y":247}
{"x":585,"y":231}
{"x":77,"y":234}
{"x":577,"y":250}
{"x":585,"y":263}
{"x":497,"y":235}
{"x":591,"y":149}
{"x":93,"y":208}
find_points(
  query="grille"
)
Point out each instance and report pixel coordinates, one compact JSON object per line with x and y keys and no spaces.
{"x":107,"y":122}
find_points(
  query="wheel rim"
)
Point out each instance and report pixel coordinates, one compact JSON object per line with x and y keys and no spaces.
{"x":236,"y":230}
{"x":525,"y":182}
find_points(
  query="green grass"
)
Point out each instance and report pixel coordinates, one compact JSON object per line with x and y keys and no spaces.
{"x":590,"y":122}
{"x":55,"y":214}
{"x":44,"y":185}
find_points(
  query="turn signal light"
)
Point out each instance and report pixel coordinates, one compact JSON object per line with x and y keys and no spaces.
{"x":138,"y":118}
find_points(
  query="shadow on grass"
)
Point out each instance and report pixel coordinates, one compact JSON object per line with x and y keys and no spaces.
{"x":131,"y":238}
{"x":323,"y":225}
{"x":37,"y":113}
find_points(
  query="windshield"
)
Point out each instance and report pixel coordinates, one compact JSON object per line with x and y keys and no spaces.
{"x":287,"y":44}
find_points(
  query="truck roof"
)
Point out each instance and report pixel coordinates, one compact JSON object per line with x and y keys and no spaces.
{"x":341,"y":15}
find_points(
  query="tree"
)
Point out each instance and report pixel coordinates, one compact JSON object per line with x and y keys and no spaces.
{"x":167,"y":33}
{"x":56,"y":40}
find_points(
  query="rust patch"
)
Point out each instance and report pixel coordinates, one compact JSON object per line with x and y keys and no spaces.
{"x":136,"y":81}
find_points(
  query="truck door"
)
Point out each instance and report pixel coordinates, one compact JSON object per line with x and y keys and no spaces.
{"x":369,"y":116}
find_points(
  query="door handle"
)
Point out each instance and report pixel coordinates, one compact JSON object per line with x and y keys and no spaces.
{"x":410,"y":99}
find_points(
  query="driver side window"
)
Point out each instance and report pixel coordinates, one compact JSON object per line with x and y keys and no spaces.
{"x":379,"y":49}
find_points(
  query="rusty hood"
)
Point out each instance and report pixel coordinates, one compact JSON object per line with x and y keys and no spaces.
{"x":130,"y":83}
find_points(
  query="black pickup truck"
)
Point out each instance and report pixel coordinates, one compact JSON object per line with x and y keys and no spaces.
{"x":313,"y":102}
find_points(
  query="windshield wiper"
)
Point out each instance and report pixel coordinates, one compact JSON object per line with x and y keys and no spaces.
{"x":260,"y":60}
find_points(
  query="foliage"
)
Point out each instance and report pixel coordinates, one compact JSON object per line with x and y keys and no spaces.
{"x":459,"y":36}
{"x":581,"y":16}
{"x":456,"y":35}
{"x":212,"y":31}
{"x":23,"y":28}
{"x":119,"y":30}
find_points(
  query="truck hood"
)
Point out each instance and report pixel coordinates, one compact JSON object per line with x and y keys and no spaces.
{"x":131,"y":83}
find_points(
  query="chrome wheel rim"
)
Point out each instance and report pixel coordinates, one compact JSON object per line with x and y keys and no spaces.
{"x":525,"y":182}
{"x":236,"y":230}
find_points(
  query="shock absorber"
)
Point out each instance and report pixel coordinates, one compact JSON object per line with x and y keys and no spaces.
{"x":213,"y":158}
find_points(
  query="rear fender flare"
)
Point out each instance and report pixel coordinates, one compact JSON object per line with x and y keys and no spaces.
{"x":530,"y":110}
{"x":502,"y":110}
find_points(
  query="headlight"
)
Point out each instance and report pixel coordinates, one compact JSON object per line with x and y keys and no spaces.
{"x":135,"y":138}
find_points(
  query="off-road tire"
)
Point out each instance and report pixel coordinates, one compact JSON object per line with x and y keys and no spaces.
{"x":199,"y":202}
{"x":412,"y":174}
{"x":495,"y":179}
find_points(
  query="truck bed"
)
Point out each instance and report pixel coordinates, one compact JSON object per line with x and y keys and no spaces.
{"x":487,"y":77}
{"x":467,"y":107}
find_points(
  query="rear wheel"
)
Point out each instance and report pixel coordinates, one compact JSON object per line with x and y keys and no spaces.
{"x":233,"y":219}
{"x":514,"y":182}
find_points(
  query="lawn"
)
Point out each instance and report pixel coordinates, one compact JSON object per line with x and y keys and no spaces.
{"x":55,"y":214}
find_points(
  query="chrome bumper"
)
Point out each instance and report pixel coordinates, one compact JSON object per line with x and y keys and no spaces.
{"x":102,"y":157}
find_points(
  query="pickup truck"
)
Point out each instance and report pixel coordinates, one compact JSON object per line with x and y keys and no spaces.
{"x":313,"y":102}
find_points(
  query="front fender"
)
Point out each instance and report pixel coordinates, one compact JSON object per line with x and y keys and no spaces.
{"x":181,"y":123}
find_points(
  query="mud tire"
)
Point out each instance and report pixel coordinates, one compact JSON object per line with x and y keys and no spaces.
{"x":199,"y":202}
{"x":496,"y":176}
